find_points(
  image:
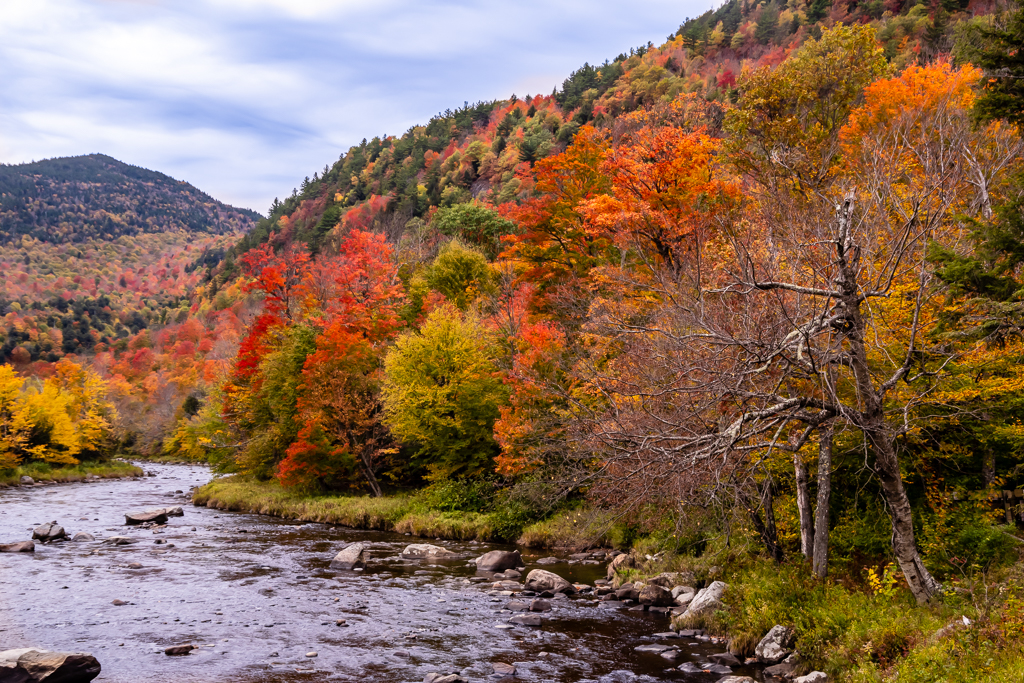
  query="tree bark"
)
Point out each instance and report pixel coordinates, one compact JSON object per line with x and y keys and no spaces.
{"x":368,"y":473}
{"x":871,"y":418}
{"x":821,"y":513}
{"x":803,"y":505}
{"x":764,"y":525}
{"x":988,"y":468}
{"x":876,"y":429}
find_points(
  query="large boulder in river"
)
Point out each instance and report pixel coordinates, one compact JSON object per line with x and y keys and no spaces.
{"x":27,"y":480}
{"x":83,"y":536}
{"x":707,"y":600}
{"x":656,"y":596}
{"x":155,"y":516}
{"x":20,"y":547}
{"x":541,"y":580}
{"x":29,"y":665}
{"x":175,"y":511}
{"x":352,"y":557}
{"x":425,"y":551}
{"x":48,"y":532}
{"x":623,"y":561}
{"x":499,"y":561}
{"x":775,"y":646}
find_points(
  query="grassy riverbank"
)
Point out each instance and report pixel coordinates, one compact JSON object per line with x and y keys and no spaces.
{"x":41,"y":471}
{"x":406,"y":513}
{"x":422,"y":513}
{"x":862,"y":624}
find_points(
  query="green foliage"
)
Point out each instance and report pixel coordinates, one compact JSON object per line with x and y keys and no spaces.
{"x":459,"y":495}
{"x":270,"y":410}
{"x":442,"y":394}
{"x":461,"y":274}
{"x":474,"y":224}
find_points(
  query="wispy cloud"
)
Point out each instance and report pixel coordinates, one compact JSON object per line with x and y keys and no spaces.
{"x":243,"y":98}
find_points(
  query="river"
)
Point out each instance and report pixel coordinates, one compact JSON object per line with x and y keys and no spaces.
{"x":256,"y":594}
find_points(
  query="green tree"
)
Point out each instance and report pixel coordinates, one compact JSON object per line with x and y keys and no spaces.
{"x":475,"y":224}
{"x":442,"y":394}
{"x":460,"y":273}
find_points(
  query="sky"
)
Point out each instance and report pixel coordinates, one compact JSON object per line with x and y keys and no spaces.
{"x":245,"y":98}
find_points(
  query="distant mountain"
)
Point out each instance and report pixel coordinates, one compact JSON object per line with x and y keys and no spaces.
{"x":75,"y":199}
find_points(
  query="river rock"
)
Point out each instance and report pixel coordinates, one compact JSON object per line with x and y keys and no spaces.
{"x":155,"y":516}
{"x":655,"y":595}
{"x":725,"y":659}
{"x":775,"y":646}
{"x":20,"y":547}
{"x":27,"y":480}
{"x":425,"y":551}
{"x":517,"y":606}
{"x":352,"y":557}
{"x":83,"y":536}
{"x":670,"y":579}
{"x":120,"y":540}
{"x":541,"y":580}
{"x":503,"y":669}
{"x":623,"y":561}
{"x":707,"y":600}
{"x":48,"y":532}
{"x":735,"y":679}
{"x":175,"y":511}
{"x":540,"y":605}
{"x":29,"y":665}
{"x":525,"y":620}
{"x":548,"y":560}
{"x":627,"y":591}
{"x":176,"y":650}
{"x":813,"y":677}
{"x":654,"y":647}
{"x":444,"y":678}
{"x":781,"y":670}
{"x":499,"y":561}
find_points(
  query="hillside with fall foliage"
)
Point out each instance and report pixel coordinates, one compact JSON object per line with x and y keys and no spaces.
{"x":753,"y":297}
{"x":75,"y":199}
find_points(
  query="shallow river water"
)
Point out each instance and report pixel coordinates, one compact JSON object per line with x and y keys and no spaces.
{"x":256,"y":595}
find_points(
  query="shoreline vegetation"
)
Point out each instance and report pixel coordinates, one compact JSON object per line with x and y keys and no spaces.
{"x":859,"y":625}
{"x":42,"y":472}
{"x":411,"y":513}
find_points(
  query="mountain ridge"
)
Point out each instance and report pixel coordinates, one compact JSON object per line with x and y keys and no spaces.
{"x":95,"y":196}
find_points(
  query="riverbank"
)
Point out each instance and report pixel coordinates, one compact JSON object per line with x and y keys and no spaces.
{"x":400,"y":513}
{"x":862,"y":624}
{"x":42,"y":472}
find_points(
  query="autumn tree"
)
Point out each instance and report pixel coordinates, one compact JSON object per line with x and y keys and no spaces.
{"x":442,"y":394}
{"x":342,"y":440}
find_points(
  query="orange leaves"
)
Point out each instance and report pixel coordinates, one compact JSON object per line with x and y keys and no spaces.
{"x":665,"y":189}
{"x":916,"y":92}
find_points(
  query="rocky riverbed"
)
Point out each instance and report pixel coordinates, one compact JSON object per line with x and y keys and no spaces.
{"x":257,"y":599}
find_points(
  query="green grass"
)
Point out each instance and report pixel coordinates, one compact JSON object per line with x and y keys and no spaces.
{"x":859,"y":634}
{"x":41,"y":471}
{"x":404,"y":513}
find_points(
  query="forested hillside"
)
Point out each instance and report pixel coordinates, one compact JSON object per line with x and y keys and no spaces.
{"x":748,"y":298}
{"x":75,"y":199}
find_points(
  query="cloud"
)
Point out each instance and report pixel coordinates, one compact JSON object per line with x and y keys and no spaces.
{"x":244,"y":98}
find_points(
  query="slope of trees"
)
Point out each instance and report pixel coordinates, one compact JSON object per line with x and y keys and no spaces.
{"x":785,"y":307}
{"x":75,"y":199}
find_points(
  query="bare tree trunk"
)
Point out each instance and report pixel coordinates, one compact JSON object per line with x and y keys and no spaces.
{"x":821,"y":513}
{"x":764,"y":525}
{"x":886,"y":465}
{"x":988,"y":468}
{"x":368,"y":473}
{"x":803,"y":505}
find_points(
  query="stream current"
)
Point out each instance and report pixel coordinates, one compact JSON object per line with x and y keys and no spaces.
{"x":256,"y":594}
